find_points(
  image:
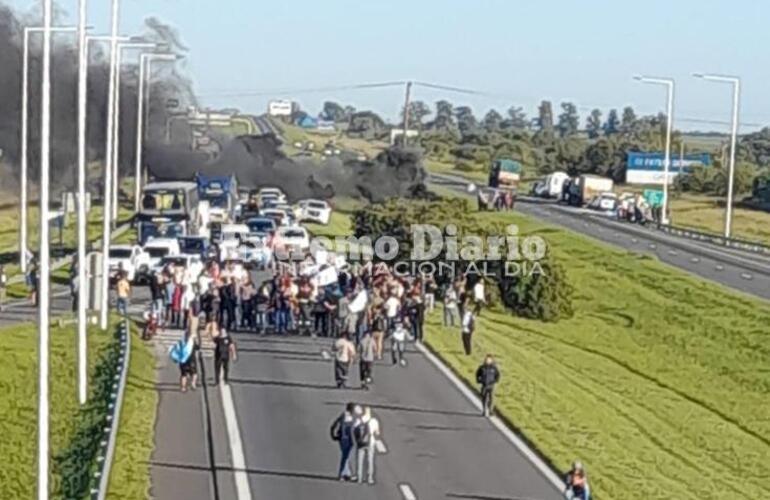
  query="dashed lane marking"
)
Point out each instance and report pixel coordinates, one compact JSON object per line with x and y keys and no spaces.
{"x":746,"y":276}
{"x":407,"y":492}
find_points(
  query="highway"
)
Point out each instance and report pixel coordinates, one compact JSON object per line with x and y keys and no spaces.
{"x":741,"y":271}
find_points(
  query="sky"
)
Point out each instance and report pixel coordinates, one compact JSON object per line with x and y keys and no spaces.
{"x":515,"y":52}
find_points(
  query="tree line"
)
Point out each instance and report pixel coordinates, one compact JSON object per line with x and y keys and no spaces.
{"x":597,"y":143}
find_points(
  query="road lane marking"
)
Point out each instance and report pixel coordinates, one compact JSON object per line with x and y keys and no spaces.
{"x":746,"y":276}
{"x":407,"y":492}
{"x":653,"y":246}
{"x":380,"y":445}
{"x":719,"y":267}
{"x":515,"y":440}
{"x":673,"y":252}
{"x":695,"y":260}
{"x":243,"y":491}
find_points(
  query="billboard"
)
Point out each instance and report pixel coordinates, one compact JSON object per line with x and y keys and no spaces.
{"x":647,"y":168}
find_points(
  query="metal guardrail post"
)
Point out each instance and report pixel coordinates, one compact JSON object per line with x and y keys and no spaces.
{"x":113,"y":415}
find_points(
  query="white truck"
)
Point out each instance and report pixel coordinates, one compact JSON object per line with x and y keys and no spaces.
{"x":584,"y":188}
{"x":130,"y":259}
{"x":158,"y":248}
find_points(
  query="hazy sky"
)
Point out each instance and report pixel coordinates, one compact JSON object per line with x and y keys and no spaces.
{"x":519,"y":52}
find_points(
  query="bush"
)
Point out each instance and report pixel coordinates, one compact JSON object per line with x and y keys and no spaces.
{"x":545,"y":295}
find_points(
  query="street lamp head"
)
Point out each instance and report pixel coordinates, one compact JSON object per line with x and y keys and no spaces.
{"x":698,"y":75}
{"x":638,"y":78}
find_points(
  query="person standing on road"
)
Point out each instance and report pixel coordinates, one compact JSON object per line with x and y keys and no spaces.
{"x":468,"y":327}
{"x":577,"y":483}
{"x":224,"y":350}
{"x":368,"y":348}
{"x":398,"y":343}
{"x":368,"y":452}
{"x":188,"y":364}
{"x":344,"y":353}
{"x":487,"y":376}
{"x":342,"y":432}
{"x":123,"y":288}
{"x":378,"y":330}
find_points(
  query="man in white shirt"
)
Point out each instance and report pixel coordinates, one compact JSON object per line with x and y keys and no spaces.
{"x":478,"y":296}
{"x":344,"y":353}
{"x":392,"y":307}
{"x":468,"y":326}
{"x":367,"y":449}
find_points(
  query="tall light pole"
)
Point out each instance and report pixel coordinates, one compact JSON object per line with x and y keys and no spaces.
{"x":44,"y":279}
{"x":736,"y":83}
{"x":145,"y":61}
{"x":82,"y":214}
{"x":23,"y":229}
{"x":116,"y":149}
{"x":669,"y":84}
{"x":107,"y":202}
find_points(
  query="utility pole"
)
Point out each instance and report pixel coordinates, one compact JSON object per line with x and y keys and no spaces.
{"x":406,"y":113}
{"x":681,"y":157}
{"x":44,"y":281}
{"x":81,"y":203}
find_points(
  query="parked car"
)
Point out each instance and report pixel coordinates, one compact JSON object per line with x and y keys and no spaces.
{"x":271,"y":192}
{"x":606,"y":202}
{"x":291,"y":239}
{"x":130,"y":259}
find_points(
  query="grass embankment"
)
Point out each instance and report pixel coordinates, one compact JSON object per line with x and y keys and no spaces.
{"x":18,"y":402}
{"x":706,"y":213}
{"x":130,"y":477}
{"x":658,"y":383}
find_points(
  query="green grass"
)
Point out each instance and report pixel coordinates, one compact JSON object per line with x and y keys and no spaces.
{"x":130,"y":477}
{"x":707,"y":213}
{"x":659,"y":380}
{"x":18,"y":401}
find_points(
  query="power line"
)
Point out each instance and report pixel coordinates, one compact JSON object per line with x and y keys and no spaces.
{"x":311,"y":90}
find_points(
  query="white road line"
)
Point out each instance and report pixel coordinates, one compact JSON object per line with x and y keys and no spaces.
{"x":719,"y":267}
{"x":407,"y":492}
{"x":673,"y":252}
{"x":695,"y":259}
{"x":243,"y":491}
{"x":515,"y":440}
{"x":746,"y":276}
{"x":380,"y":445}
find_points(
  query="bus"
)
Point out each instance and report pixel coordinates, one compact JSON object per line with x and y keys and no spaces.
{"x":168,"y":209}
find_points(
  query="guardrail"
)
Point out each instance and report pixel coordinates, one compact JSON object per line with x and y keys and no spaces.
{"x":104,"y":459}
{"x":716,"y":239}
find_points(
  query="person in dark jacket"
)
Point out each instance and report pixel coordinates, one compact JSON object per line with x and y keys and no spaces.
{"x":342,"y":432}
{"x":224,"y":351}
{"x":487,"y":376}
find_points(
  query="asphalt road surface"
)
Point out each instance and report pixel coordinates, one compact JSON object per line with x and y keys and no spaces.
{"x":741,"y":271}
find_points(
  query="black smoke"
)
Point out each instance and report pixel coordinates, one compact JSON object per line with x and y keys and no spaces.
{"x":258,"y":161}
{"x":167,"y":83}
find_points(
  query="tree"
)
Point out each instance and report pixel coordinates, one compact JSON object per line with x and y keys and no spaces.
{"x":349,"y":112}
{"x":594,"y":124}
{"x":517,"y":118}
{"x":466,"y":121}
{"x":445,"y":116}
{"x":612,"y":125}
{"x":333,"y":111}
{"x":418,"y":110}
{"x":545,"y":116}
{"x":492,"y":120}
{"x":629,"y":119}
{"x":569,"y":121}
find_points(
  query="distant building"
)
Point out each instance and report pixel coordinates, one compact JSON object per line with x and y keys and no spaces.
{"x":281,"y":107}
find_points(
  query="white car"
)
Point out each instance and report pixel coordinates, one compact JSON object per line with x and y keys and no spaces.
{"x":232,"y":235}
{"x":606,"y":202}
{"x":158,"y":248}
{"x":254,"y":250}
{"x":281,"y":217}
{"x":317,"y":211}
{"x":291,"y":239}
{"x":130,"y":259}
{"x":272,"y":192}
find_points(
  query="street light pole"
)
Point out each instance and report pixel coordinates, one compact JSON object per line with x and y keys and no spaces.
{"x":44,"y":279}
{"x":107,"y":202}
{"x":82,"y":213}
{"x":23,"y":228}
{"x":736,"y":83}
{"x":116,"y":149}
{"x":145,"y":61}
{"x":669,"y":84}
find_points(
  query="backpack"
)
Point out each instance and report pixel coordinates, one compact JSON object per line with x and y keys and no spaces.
{"x":361,"y":434}
{"x":336,"y":429}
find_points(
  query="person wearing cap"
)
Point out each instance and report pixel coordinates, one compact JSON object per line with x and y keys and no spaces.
{"x":577,"y":483}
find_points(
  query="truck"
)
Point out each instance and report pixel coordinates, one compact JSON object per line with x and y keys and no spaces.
{"x":505,"y":174}
{"x":221,"y":193}
{"x":168,"y":209}
{"x":583,"y":188}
